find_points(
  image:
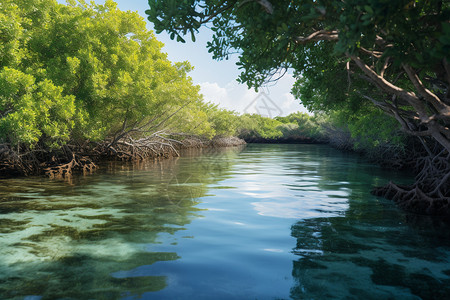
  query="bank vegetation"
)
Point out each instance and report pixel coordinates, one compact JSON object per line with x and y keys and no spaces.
{"x":84,"y":82}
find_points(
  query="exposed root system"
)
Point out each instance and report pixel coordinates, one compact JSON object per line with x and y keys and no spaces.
{"x":430,"y":193}
{"x":64,"y":170}
{"x":54,"y":164}
{"x":193,"y":142}
{"x":80,"y":159}
{"x":129,"y":149}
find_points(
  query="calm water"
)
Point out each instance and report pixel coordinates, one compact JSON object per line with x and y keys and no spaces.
{"x":261,"y":222}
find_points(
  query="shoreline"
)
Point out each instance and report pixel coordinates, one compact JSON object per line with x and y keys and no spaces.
{"x":71,"y":160}
{"x":285,"y":141}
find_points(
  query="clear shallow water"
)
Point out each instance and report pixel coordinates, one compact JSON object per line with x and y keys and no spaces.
{"x":263,"y":222}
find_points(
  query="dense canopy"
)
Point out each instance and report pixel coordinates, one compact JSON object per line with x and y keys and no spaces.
{"x":88,"y":72}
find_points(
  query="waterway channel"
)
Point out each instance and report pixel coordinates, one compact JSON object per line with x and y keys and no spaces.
{"x":255,"y":222}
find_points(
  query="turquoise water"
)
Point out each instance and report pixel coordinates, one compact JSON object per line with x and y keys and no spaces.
{"x":260,"y":222}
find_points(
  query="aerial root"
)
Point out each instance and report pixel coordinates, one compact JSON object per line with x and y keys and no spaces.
{"x":62,"y":163}
{"x":65,"y":170}
{"x":415,"y":199}
{"x":146,"y":148}
{"x":158,"y":146}
{"x":430,"y":193}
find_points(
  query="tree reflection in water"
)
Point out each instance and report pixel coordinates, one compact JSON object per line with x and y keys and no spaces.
{"x":70,"y":239}
{"x":353,"y":257}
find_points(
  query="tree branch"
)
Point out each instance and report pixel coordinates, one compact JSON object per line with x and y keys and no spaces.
{"x":219,"y":11}
{"x":388,"y":87}
{"x":376,"y":54}
{"x":321,"y":35}
{"x":385,"y":66}
{"x":406,"y":128}
{"x":427,"y":94}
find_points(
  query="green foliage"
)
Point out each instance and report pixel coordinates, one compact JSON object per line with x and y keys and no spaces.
{"x":296,"y":126}
{"x":417,"y":30}
{"x":346,"y":55}
{"x":33,"y":111}
{"x":290,"y":130}
{"x":224,"y":122}
{"x":255,"y":126}
{"x":112,"y":65}
{"x":369,"y":129}
{"x":89,"y":72}
{"x":302,"y":125}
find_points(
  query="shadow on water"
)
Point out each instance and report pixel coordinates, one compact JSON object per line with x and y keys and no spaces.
{"x":350,"y":244}
{"x":67,"y":239}
{"x":373,"y":250}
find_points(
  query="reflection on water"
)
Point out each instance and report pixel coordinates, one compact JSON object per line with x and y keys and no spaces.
{"x":65,"y":240}
{"x":347,"y":258}
{"x":264,"y":222}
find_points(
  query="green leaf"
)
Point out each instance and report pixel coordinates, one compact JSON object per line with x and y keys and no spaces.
{"x":368,"y":9}
{"x":180,"y":39}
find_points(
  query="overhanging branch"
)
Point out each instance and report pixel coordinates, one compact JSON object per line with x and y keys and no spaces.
{"x":321,"y":35}
{"x":442,"y":108}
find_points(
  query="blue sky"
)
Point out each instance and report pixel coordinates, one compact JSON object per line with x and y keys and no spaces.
{"x":217,"y":79}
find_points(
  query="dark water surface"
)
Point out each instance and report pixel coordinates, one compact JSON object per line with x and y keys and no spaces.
{"x":260,"y":222}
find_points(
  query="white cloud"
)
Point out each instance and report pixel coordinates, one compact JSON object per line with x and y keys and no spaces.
{"x":212,"y":92}
{"x":238,"y":97}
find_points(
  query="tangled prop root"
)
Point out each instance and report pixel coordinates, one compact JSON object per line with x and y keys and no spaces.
{"x":129,"y":149}
{"x":430,"y":194}
{"x":64,"y":170}
{"x":63,"y":162}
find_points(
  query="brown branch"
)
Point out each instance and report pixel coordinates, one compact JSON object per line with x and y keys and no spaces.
{"x":435,"y":117}
{"x":136,"y":128}
{"x":398,"y":77}
{"x":321,"y":35}
{"x":436,"y":133}
{"x":405,"y":127}
{"x":376,"y":54}
{"x":441,"y":183}
{"x":385,"y":66}
{"x":390,"y":88}
{"x":218,"y":12}
{"x":427,"y":94}
{"x":435,"y":130}
{"x":383,"y":105}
